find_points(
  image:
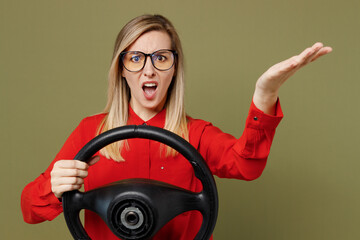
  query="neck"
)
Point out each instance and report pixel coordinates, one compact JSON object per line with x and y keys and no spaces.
{"x":145,"y":113}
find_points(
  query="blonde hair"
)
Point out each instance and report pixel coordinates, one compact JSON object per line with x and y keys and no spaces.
{"x":117,"y":107}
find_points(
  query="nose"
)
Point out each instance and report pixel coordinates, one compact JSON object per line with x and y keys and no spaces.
{"x":149,"y":69}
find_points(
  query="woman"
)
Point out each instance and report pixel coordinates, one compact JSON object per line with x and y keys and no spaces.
{"x":146,"y":86}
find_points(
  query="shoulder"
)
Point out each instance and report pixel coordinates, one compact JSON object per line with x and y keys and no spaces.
{"x":196,"y":129}
{"x":197,"y":124}
{"x":94,"y":119}
{"x":83,"y":133}
{"x":89,"y":125}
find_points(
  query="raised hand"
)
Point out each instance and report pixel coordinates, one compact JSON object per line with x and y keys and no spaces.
{"x":268,"y":85}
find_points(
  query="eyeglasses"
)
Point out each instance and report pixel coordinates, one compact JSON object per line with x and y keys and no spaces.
{"x":134,"y":61}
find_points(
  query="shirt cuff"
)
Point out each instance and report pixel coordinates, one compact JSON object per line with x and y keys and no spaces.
{"x":260,"y":120}
{"x":48,"y":194}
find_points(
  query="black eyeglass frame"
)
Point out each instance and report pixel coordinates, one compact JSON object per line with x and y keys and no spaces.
{"x":122,"y":54}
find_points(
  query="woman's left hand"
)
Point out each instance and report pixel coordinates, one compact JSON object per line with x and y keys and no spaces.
{"x":268,"y":85}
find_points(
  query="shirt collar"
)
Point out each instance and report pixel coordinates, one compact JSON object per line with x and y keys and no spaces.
{"x":157,"y":121}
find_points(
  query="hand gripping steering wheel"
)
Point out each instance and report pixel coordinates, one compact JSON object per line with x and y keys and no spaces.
{"x":138,"y":208}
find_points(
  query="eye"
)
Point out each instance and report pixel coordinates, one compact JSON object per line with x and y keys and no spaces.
{"x":135,"y":58}
{"x":160,"y":58}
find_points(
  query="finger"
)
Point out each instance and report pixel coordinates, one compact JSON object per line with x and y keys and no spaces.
{"x":294,"y":62}
{"x":59,"y":190}
{"x":68,"y":181}
{"x":93,"y":160}
{"x":322,"y":52}
{"x":69,"y":173}
{"x":287,"y":66}
{"x":71,"y":164}
{"x":308,"y":53}
{"x":298,"y":60}
{"x":317,"y":47}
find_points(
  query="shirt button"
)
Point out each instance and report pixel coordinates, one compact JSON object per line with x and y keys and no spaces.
{"x":162,"y":168}
{"x":255,"y":118}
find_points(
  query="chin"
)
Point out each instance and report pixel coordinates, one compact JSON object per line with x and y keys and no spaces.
{"x":150,"y":105}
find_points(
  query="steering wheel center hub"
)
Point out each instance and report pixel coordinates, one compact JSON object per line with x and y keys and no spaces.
{"x":130,"y":218}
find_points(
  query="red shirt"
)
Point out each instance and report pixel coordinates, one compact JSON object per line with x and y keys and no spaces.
{"x":226,"y":156}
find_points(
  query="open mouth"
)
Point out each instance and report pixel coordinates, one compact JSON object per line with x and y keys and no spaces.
{"x":149,"y":89}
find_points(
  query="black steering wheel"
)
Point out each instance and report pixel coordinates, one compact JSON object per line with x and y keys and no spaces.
{"x":138,"y":208}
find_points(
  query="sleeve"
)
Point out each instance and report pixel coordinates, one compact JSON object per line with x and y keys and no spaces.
{"x":244,"y":158}
{"x":38,"y":203}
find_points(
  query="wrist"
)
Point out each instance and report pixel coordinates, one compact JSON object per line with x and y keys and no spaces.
{"x":265,"y":101}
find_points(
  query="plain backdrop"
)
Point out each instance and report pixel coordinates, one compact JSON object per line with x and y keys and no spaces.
{"x":54,"y":58}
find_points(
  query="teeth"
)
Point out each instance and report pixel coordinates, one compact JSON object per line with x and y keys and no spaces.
{"x":150,"y":85}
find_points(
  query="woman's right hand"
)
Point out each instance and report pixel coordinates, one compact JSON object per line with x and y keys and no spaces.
{"x":68,"y":175}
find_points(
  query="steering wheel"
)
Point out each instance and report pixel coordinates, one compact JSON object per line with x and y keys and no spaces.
{"x":138,"y":208}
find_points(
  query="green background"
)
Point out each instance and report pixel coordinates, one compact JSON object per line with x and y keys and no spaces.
{"x":54,"y":58}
